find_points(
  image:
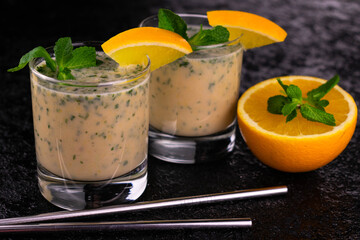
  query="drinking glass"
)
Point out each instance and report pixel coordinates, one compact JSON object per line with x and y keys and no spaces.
{"x":193,"y":100}
{"x":91,"y":135}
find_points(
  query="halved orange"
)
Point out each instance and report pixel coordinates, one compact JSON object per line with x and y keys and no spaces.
{"x":253,"y":30}
{"x":299,"y":145}
{"x":131,"y":46}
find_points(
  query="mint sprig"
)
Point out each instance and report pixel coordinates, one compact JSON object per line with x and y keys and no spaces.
{"x":311,"y":108}
{"x":66,"y":58}
{"x":216,"y":35}
{"x":37,"y":52}
{"x":172,"y":22}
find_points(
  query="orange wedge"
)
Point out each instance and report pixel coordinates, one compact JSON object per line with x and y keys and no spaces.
{"x":253,"y":30}
{"x":299,"y":145}
{"x":131,"y":46}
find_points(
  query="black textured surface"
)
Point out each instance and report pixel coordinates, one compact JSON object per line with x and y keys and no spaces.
{"x":323,"y":39}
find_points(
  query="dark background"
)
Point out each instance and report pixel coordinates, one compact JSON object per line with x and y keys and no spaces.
{"x":323,"y":39}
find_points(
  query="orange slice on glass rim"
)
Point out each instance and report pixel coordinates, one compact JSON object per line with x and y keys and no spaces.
{"x":131,"y":46}
{"x":253,"y":30}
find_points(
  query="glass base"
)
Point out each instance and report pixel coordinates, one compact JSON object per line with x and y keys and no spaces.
{"x":191,"y":150}
{"x":77,"y":195}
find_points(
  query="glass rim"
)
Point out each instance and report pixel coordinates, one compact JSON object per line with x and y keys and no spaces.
{"x":76,"y":83}
{"x":196,"y":15}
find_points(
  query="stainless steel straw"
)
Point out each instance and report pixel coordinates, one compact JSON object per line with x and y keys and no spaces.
{"x":172,"y":202}
{"x":129,"y":225}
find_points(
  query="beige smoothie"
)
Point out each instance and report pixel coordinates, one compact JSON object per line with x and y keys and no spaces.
{"x":91,"y":133}
{"x":197,"y":94}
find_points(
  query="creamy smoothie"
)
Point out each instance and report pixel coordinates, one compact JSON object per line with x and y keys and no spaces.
{"x":90,"y":132}
{"x":197,"y":94}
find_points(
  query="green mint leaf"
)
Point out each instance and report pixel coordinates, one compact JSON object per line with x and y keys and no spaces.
{"x":288,"y":108}
{"x":323,"y":103}
{"x":63,"y":51}
{"x":291,"y":116}
{"x":320,"y":104}
{"x":65,"y":74}
{"x":312,"y":108}
{"x":220,"y":34}
{"x":276,"y":103}
{"x":215,"y":35}
{"x":65,"y":58}
{"x":35,"y":53}
{"x":294,"y":92}
{"x":172,"y":22}
{"x":282,"y":85}
{"x":313,"y":114}
{"x":82,"y":57}
{"x":68,"y":59}
{"x":318,"y":93}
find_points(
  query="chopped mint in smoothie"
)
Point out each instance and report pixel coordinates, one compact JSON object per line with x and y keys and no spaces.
{"x":66,"y":58}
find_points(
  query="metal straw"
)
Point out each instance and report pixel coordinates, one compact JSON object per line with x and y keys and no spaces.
{"x":172,"y":202}
{"x":130,"y":225}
